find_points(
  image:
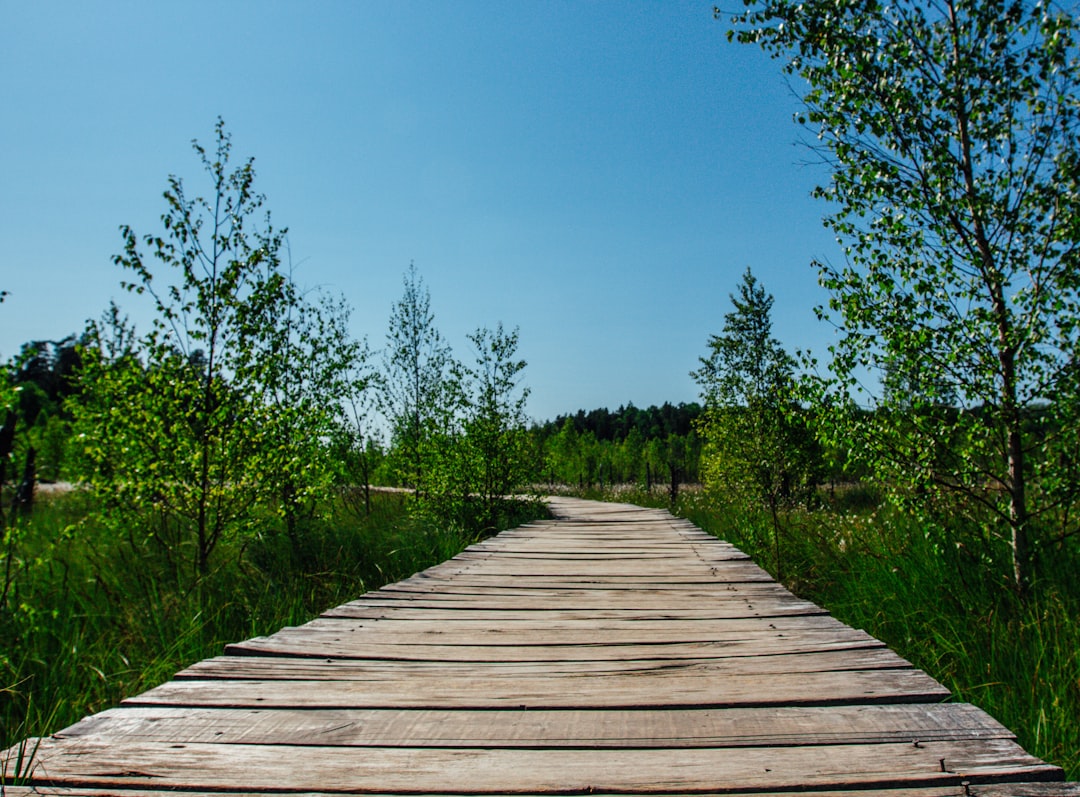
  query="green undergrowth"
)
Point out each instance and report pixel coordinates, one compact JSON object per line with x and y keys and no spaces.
{"x":87,"y":620}
{"x":944,"y":608}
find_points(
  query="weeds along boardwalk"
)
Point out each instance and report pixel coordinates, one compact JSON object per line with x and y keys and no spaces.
{"x":612,"y":650}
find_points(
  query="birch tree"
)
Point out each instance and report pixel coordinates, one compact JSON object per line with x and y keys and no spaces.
{"x":416,"y":362}
{"x":950,"y":131}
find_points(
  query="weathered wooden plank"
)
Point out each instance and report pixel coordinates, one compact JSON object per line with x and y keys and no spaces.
{"x":693,"y":554}
{"x":637,"y":534}
{"x":675,"y":628}
{"x":652,"y":537}
{"x":209,"y":767}
{"x":476,"y":611}
{"x":646,"y":570}
{"x":337,"y":647}
{"x":686,"y":604}
{"x":639,"y":690}
{"x":764,"y":630}
{"x":271,"y":668}
{"x":684,"y":556}
{"x":572,"y":550}
{"x":655,"y":537}
{"x":626,"y":528}
{"x":658,"y":728}
{"x":962,"y":790}
{"x":540,"y":645}
{"x":525,"y":578}
{"x":647,"y":535}
{"x":708,"y":584}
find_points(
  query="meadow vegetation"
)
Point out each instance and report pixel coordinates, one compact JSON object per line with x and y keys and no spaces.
{"x":88,"y":619}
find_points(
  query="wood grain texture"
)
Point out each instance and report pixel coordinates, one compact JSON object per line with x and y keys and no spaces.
{"x":647,"y":728}
{"x":311,"y":668}
{"x":965,"y":789}
{"x":588,"y":691}
{"x":197,"y":766}
{"x":611,"y":650}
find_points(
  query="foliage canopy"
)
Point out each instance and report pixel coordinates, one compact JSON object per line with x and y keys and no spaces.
{"x":950,"y":129}
{"x":225,"y":402}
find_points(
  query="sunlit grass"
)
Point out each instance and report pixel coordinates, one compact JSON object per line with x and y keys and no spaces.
{"x":87,"y":621}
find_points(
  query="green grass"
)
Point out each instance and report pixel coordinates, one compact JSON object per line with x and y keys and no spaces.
{"x":88,"y":620}
{"x":945,"y":608}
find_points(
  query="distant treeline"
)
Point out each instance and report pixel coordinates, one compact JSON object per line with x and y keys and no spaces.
{"x":657,"y":445}
{"x":651,"y":423}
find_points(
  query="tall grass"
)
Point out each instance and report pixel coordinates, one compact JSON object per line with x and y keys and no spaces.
{"x":88,"y":620}
{"x":944,"y":607}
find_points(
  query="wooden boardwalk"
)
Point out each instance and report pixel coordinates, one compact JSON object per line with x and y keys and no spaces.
{"x":613,"y":650}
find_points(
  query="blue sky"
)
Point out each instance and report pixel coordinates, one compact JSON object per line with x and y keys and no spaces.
{"x":599,"y":174}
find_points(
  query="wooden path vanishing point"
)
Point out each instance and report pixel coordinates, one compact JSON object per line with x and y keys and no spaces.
{"x":613,"y":650}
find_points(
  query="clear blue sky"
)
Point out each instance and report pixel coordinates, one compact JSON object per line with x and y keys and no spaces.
{"x":598,"y":174}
